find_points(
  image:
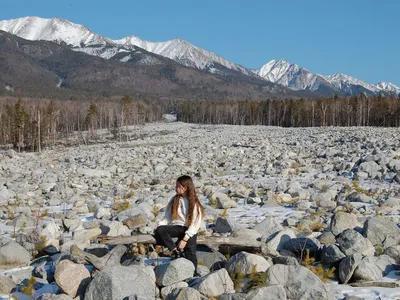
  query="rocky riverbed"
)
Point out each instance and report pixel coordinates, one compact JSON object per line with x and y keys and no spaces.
{"x":332,"y":191}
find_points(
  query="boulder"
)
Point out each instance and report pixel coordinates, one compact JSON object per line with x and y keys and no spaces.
{"x":120,"y":282}
{"x":210,"y":259}
{"x":347,"y":267}
{"x":394,"y":252}
{"x":300,"y":245}
{"x":223,"y":201}
{"x":214,"y":284}
{"x":279,"y":240}
{"x":165,"y":291}
{"x":275,"y":292}
{"x":341,"y":221}
{"x":298,"y":282}
{"x":174,"y":271}
{"x":184,"y":294}
{"x":6,"y":285}
{"x":327,"y":238}
{"x":72,"y":278}
{"x":331,"y":254}
{"x":135,"y":221}
{"x":370,"y":167}
{"x":374,"y":268}
{"x":285,"y":260}
{"x":223,"y":225}
{"x":268,"y":226}
{"x":12,"y":254}
{"x":247,"y":263}
{"x":381,"y":232}
{"x":350,"y":242}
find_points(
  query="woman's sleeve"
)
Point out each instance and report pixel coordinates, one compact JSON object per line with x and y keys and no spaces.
{"x":167,"y":216}
{"x":196,"y":223}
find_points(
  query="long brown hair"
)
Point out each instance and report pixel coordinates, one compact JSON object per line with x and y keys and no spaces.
{"x":194,"y":203}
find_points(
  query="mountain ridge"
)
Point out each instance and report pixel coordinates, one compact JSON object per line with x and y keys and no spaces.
{"x":281,"y":72}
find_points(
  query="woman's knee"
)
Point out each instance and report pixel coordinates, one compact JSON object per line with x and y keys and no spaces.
{"x":160,"y":230}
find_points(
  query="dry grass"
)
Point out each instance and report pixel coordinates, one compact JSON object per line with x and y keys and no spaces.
{"x":317,"y":226}
{"x":224,"y":213}
{"x":28,"y":289}
{"x":121,"y":205}
{"x":319,"y":270}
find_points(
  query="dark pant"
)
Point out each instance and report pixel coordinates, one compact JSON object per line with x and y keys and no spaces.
{"x":165,"y":233}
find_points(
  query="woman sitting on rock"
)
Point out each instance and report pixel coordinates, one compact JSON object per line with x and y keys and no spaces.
{"x":182,"y":219}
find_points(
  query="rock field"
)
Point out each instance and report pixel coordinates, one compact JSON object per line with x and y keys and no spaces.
{"x":316,"y":198}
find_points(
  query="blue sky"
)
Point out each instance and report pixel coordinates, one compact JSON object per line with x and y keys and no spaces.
{"x":356,"y":37}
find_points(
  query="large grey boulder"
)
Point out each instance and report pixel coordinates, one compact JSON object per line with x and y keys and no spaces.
{"x":300,"y":245}
{"x":268,"y":226}
{"x":224,"y":225}
{"x":350,"y":242}
{"x":298,"y":282}
{"x":12,"y":254}
{"x":247,"y":263}
{"x":331,"y":254}
{"x":223,"y":201}
{"x":211,"y":259}
{"x":233,"y":296}
{"x":393,"y":202}
{"x":347,"y":267}
{"x":381,"y":231}
{"x":279,"y":240}
{"x":371,"y":168}
{"x":118,"y":282}
{"x":374,"y":268}
{"x":341,"y":221}
{"x":165,"y":291}
{"x":174,"y":271}
{"x":6,"y":285}
{"x":186,"y":293}
{"x":394,"y":252}
{"x":274,"y":292}
{"x":214,"y":284}
{"x":72,"y":278}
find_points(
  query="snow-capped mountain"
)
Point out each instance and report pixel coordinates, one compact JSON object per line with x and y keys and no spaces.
{"x":184,"y":53}
{"x":346,"y":83}
{"x":387,"y":87}
{"x":55,"y":30}
{"x":82,"y":39}
{"x":292,"y":76}
{"x":132,"y":48}
{"x":297,"y":78}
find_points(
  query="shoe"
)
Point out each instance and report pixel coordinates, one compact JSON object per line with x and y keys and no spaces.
{"x":195,"y":274}
{"x":178,"y":253}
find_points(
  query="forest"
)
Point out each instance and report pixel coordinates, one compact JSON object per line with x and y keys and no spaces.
{"x":28,"y":124}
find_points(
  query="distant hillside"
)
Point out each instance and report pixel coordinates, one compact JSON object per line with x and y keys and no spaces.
{"x":46,"y":69}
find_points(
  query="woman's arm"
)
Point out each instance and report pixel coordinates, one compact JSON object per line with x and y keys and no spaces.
{"x":195,"y":225}
{"x":167,"y":216}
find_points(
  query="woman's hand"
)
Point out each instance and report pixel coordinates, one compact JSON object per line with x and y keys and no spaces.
{"x":182,"y":244}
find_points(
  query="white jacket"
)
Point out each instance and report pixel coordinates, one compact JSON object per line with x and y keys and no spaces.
{"x":183,"y":209}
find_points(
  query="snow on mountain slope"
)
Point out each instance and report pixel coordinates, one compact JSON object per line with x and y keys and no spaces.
{"x":281,"y":72}
{"x":183,"y":52}
{"x":82,"y":39}
{"x":297,"y":78}
{"x":344,"y":82}
{"x":291,"y":75}
{"x":56,"y":30}
{"x":387,"y":87}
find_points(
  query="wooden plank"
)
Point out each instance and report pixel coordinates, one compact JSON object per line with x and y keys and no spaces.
{"x":375,"y":283}
{"x":212,"y":242}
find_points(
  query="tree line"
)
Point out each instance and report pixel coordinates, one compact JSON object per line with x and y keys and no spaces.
{"x":31,"y":124}
{"x":336,"y":111}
